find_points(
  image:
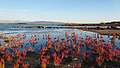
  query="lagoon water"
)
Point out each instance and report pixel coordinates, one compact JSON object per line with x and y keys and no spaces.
{"x":54,"y":32}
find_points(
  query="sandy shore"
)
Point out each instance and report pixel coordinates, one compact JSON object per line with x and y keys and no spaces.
{"x":107,"y":32}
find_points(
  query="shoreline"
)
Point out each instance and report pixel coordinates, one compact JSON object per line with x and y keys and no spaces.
{"x":107,"y":32}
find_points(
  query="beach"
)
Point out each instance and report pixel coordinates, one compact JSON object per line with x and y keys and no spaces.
{"x":107,"y":32}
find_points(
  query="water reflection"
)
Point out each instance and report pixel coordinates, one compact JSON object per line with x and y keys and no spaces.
{"x":113,"y":40}
{"x":59,"y":33}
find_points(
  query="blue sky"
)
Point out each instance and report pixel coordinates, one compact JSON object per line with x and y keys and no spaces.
{"x":81,"y":11}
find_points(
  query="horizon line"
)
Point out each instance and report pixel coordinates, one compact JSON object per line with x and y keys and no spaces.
{"x":23,"y":21}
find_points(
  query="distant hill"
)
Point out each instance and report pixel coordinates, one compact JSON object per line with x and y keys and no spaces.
{"x":46,"y":22}
{"x":13,"y":21}
{"x":29,"y":22}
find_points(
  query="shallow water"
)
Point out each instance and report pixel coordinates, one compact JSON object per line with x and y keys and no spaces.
{"x":54,"y":32}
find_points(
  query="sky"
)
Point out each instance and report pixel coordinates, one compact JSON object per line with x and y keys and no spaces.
{"x":77,"y":11}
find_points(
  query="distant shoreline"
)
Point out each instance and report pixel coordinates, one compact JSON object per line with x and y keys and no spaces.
{"x":107,"y":32}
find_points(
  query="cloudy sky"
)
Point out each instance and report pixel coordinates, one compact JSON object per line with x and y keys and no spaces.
{"x":60,"y":10}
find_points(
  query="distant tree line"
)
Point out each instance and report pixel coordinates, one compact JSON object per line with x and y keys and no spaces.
{"x":114,"y":22}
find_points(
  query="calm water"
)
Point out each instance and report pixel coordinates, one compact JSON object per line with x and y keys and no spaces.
{"x":4,"y":28}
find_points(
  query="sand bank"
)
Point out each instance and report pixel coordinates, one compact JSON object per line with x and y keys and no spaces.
{"x":107,"y":32}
